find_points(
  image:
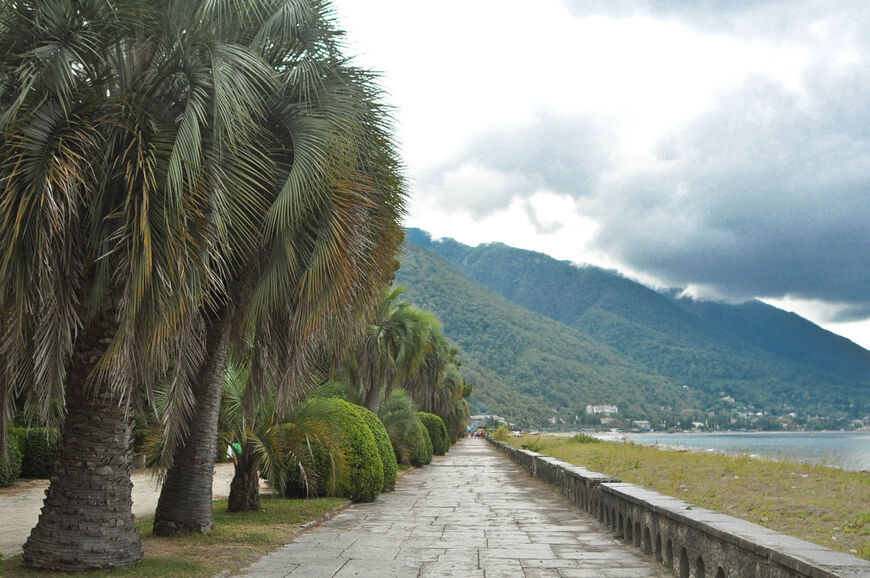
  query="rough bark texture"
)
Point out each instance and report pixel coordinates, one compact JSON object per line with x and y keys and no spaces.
{"x":87,"y":519}
{"x":185,"y":503}
{"x":373,"y":398}
{"x":244,"y":489}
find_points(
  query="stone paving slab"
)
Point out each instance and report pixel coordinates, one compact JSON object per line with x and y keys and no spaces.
{"x":472,"y":513}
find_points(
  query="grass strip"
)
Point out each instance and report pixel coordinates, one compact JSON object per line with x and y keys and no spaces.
{"x":237,"y":541}
{"x":820,"y":504}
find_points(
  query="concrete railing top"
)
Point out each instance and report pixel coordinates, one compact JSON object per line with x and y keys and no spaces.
{"x":585,"y":473}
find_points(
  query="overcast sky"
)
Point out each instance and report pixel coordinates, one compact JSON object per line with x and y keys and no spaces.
{"x":722,"y":147}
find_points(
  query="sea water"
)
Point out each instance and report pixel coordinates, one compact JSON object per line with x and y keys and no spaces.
{"x":846,"y":450}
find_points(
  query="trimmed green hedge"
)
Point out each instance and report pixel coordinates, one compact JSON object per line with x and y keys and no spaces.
{"x":10,"y":471}
{"x":37,"y":452}
{"x":421,"y":446}
{"x":385,"y":447}
{"x":437,"y":432}
{"x":363,"y":478}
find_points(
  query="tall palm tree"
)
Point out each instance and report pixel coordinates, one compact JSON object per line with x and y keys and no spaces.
{"x":437,"y":386}
{"x":104,"y":249}
{"x":390,"y":349}
{"x":326,"y":245}
{"x":139,"y":204}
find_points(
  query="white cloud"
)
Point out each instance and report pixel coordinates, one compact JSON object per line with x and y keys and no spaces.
{"x":473,"y":187}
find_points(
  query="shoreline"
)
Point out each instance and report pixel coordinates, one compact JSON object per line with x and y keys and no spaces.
{"x":830,"y":454}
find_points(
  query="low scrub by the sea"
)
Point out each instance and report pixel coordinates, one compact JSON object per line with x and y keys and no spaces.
{"x":820,"y":504}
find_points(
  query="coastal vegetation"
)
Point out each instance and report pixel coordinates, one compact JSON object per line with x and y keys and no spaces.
{"x":200,"y":231}
{"x":437,"y":432}
{"x":825,"y":505}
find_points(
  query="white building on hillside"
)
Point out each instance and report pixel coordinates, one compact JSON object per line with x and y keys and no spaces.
{"x":605,"y":409}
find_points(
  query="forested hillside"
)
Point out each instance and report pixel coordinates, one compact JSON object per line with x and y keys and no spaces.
{"x":524,"y":365}
{"x":766,"y":359}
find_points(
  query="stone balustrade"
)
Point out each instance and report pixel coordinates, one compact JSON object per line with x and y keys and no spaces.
{"x":691,"y":541}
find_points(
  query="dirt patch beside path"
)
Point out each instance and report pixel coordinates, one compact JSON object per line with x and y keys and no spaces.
{"x":21,"y":503}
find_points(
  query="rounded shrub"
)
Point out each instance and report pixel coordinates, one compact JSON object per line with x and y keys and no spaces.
{"x":358,"y":471}
{"x":11,"y":469}
{"x":385,"y":447}
{"x":437,"y":432}
{"x":421,"y":445}
{"x":363,"y":477}
{"x":38,"y":449}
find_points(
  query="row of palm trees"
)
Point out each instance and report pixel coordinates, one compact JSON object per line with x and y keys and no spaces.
{"x":407,"y":362}
{"x":182,"y":182}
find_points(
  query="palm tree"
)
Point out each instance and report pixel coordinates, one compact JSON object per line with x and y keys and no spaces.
{"x":103,"y":251}
{"x":326,"y":245}
{"x":391,"y":348}
{"x":278,"y":446}
{"x":135,"y":191}
{"x":399,"y":415}
{"x":437,"y":386}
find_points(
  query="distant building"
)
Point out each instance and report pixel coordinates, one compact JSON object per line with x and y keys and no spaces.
{"x":479,"y":420}
{"x":642,"y":424}
{"x":605,"y":409}
{"x":608,"y":420}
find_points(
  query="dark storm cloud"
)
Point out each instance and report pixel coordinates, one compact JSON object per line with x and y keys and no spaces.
{"x":768,"y":195}
{"x":850,"y":313}
{"x":765,"y":195}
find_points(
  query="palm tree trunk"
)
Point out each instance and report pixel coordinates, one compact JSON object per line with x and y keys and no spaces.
{"x":245,"y":487}
{"x":87,"y":519}
{"x":373,"y":398}
{"x":185,"y":503}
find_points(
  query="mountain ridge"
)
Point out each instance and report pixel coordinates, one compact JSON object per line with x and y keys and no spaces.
{"x":764,"y":357}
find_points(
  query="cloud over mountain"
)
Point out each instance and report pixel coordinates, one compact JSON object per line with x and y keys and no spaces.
{"x":762,"y":194}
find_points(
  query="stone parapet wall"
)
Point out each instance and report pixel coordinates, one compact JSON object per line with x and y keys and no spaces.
{"x":691,"y":541}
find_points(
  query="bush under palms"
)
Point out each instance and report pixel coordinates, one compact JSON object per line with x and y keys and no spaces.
{"x":385,"y":447}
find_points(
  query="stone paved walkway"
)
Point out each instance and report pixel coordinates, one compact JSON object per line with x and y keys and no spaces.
{"x":471,"y":513}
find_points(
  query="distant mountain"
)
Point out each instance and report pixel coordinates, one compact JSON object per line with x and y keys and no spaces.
{"x":523,"y":364}
{"x":760,"y":356}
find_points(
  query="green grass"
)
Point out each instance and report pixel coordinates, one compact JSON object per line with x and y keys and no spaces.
{"x":237,"y":540}
{"x":824,"y":505}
